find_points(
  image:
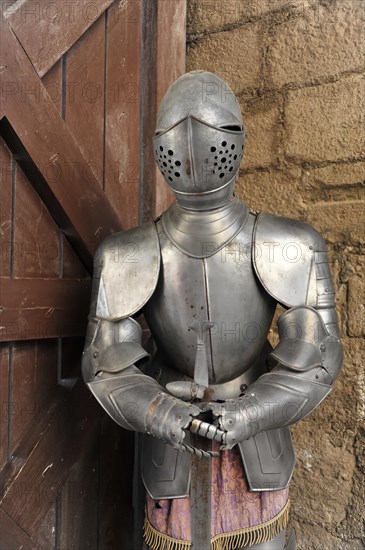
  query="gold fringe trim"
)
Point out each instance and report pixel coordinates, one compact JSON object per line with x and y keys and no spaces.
{"x":248,"y":536}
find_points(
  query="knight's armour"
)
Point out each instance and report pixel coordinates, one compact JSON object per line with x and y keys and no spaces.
{"x":208,"y":259}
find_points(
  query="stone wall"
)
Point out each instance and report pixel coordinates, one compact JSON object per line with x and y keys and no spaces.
{"x":298,"y":70}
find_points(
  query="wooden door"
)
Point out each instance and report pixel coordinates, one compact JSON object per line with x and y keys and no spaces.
{"x":80,"y":82}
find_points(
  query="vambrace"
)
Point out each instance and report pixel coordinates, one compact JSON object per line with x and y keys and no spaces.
{"x":308,"y":361}
{"x":132,"y":399}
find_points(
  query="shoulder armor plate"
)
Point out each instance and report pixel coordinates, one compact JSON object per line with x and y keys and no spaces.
{"x":284,"y":259}
{"x":128,"y":264}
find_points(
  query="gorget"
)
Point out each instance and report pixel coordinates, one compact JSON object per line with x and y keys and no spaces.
{"x":201,"y":233}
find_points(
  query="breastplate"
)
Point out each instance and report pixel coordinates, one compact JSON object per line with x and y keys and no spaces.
{"x":222,"y":289}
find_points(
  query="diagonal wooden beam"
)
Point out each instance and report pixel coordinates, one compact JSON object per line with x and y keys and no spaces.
{"x":12,"y":537}
{"x":47,"y":468}
{"x":43,"y":308}
{"x":48,"y":153}
{"x":46,"y":30}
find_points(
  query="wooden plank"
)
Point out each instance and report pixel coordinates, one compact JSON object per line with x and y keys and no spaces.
{"x":123,"y":109}
{"x":45,"y":537}
{"x":34,"y":380}
{"x":50,"y":156}
{"x":116,"y":478}
{"x":43,"y":308}
{"x":84,"y":81}
{"x":47,"y":468}
{"x":52,"y":81}
{"x":171,"y":37}
{"x":28,"y":444}
{"x":47,"y":30}
{"x":6,"y":176}
{"x":36,"y":236}
{"x":79,"y":505}
{"x":12,"y":536}
{"x":4,"y":399}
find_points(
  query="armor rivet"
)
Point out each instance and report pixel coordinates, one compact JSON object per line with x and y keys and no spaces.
{"x":179,"y":417}
{"x":229,"y":421}
{"x":243,"y":387}
{"x":95,"y":354}
{"x":173,"y":435}
{"x":323,"y":347}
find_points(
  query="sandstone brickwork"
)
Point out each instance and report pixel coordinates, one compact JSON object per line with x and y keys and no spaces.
{"x":298,"y":68}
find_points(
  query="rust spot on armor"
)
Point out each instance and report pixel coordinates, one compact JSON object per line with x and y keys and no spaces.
{"x":187,"y":167}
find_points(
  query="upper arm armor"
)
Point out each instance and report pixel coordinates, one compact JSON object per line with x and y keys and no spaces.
{"x":126,"y":270}
{"x":285,"y":254}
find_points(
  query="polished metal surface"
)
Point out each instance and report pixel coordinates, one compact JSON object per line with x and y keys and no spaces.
{"x":269,"y":459}
{"x":199,"y":140}
{"x":204,"y":234}
{"x":301,"y":333}
{"x":195,"y":157}
{"x":221,"y":288}
{"x":283,"y":256}
{"x":202,"y":94}
{"x":128,"y":267}
{"x":209,"y":258}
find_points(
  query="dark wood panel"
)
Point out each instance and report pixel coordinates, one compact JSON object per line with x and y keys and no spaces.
{"x":6,"y":177}
{"x":27,"y":445}
{"x":13,"y":537}
{"x":123,"y":109}
{"x":34,"y":380}
{"x":48,"y":467}
{"x":52,"y":82}
{"x":36,"y":236}
{"x":79,"y":503}
{"x":45,"y":537}
{"x":84,"y":79}
{"x":116,"y":478}
{"x":50,"y":156}
{"x":4,"y":398}
{"x":33,"y":309}
{"x":48,"y":29}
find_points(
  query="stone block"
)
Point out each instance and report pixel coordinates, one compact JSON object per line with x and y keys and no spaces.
{"x":356,"y":306}
{"x":326,"y":122}
{"x":261,"y":123}
{"x":323,"y":478}
{"x":275,"y":191}
{"x":235,"y":55}
{"x":324,"y":41}
{"x":341,"y":175}
{"x":210,"y":15}
{"x":338,"y":221}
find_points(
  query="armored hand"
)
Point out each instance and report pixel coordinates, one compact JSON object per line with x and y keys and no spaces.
{"x":237,"y":419}
{"x":168,"y":417}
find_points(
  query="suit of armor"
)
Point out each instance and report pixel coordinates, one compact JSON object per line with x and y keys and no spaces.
{"x":209,"y":260}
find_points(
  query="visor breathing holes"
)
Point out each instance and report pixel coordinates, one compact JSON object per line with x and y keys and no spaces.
{"x":177,"y":163}
{"x":224,"y":143}
{"x":224,"y":160}
{"x":234,"y":147}
{"x":221,"y":175}
{"x":213,"y":149}
{"x":177,"y":174}
{"x":161,"y":148}
{"x":170,"y":152}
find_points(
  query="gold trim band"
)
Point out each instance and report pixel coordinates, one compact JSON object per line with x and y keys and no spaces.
{"x":248,"y":536}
